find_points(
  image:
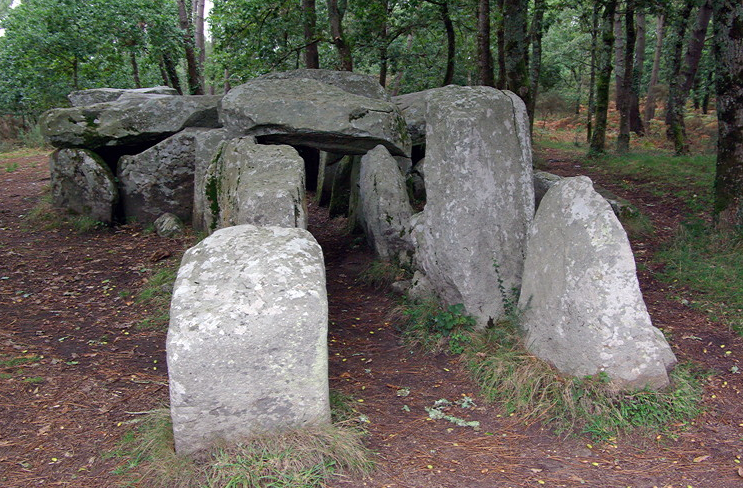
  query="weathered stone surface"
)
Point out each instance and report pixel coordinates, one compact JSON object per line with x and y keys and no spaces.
{"x":480,"y":198}
{"x":348,"y":81}
{"x":246,"y":347}
{"x":413,"y":108}
{"x":311,"y":113}
{"x":257,"y":184}
{"x":208,"y":145}
{"x":130,"y":122}
{"x":160,"y":179}
{"x":341,"y":188}
{"x":82,"y":183}
{"x":325,"y":177}
{"x":168,"y":225}
{"x":82,"y":98}
{"x":581,"y":303}
{"x":622,"y":208}
{"x":385,"y":206}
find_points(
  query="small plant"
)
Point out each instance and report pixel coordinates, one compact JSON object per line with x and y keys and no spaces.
{"x":83,"y":224}
{"x":435,"y":328}
{"x":11,"y":167}
{"x":156,"y":296}
{"x":381,"y":274}
{"x":32,"y":138}
{"x":34,"y":380}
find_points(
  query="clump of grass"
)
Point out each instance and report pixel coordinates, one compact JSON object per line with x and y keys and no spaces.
{"x":637,"y":225}
{"x":381,"y":274}
{"x":82,"y":224}
{"x":711,"y":264}
{"x":18,"y":361}
{"x":529,"y":387}
{"x":156,"y":295}
{"x":434,"y":328}
{"x":11,"y":167}
{"x":306,"y":457}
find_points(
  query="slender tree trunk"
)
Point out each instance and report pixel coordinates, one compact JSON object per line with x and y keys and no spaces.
{"x":227,"y":85}
{"x":311,"y":53}
{"x":635,"y":120}
{"x":517,"y":50}
{"x":135,"y":69}
{"x":199,"y":39}
{"x":618,"y":57}
{"x":694,"y":50}
{"x":484,"y":54}
{"x":675,"y":130}
{"x":335,"y":16}
{"x":627,"y":60}
{"x":451,"y":40}
{"x":650,"y":100}
{"x":728,"y":25}
{"x":172,"y":72}
{"x":592,"y":81}
{"x":163,"y":73}
{"x":501,"y":39}
{"x":383,"y":63}
{"x":192,"y":67}
{"x":603,"y":77}
{"x":537,"y":29}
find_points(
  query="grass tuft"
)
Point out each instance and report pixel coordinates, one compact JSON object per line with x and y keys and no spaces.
{"x":156,"y":296}
{"x":434,"y":328}
{"x":382,"y":274}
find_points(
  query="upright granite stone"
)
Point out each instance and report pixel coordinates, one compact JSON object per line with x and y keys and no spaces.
{"x":310,"y":113}
{"x":135,"y":121}
{"x":247,"y":343}
{"x":82,"y":98}
{"x":582,"y":307}
{"x":325,"y":177}
{"x":348,"y":81}
{"x":83,"y":184}
{"x":385,"y":206}
{"x":160,"y":179}
{"x":480,"y":198}
{"x":257,"y":184}
{"x":413,"y":108}
{"x":208,"y":145}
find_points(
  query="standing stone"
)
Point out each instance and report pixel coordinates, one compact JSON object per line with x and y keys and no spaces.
{"x":159,"y":180}
{"x":582,"y":307}
{"x":413,"y":108}
{"x":479,"y":198}
{"x":247,"y":348}
{"x":208,"y":145}
{"x":257,"y":184}
{"x":341,"y":190}
{"x":83,"y":184}
{"x":325,"y":177}
{"x":386,"y":209}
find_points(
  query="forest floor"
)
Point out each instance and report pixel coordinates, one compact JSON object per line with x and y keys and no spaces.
{"x":76,"y":365}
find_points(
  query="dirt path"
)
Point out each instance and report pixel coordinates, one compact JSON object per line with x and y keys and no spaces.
{"x":82,"y":368}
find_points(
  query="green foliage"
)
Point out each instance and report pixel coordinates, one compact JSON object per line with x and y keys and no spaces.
{"x":18,"y":361}
{"x":435,"y":328}
{"x":11,"y":167}
{"x":381,"y":274}
{"x":527,"y":386}
{"x":82,"y":224}
{"x":156,"y":296}
{"x":710,"y":264}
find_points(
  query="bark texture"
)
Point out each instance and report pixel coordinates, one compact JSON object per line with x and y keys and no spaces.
{"x":484,"y":54}
{"x":630,"y":36}
{"x":309,"y":17}
{"x":192,"y":67}
{"x":603,"y":77}
{"x":650,"y":100}
{"x":335,"y":16}
{"x":517,"y":50}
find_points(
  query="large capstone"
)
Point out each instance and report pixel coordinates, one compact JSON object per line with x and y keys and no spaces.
{"x":160,"y":179}
{"x":83,"y":184}
{"x":348,"y":81}
{"x":307,"y":112}
{"x":480,"y":198}
{"x":247,"y":348}
{"x":82,"y":98}
{"x":256,"y":184}
{"x":130,"y":122}
{"x":582,"y":309}
{"x":385,"y":206}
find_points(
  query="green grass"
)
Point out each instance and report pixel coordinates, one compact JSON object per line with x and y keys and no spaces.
{"x":382,"y":274}
{"x":11,"y":167}
{"x":18,"y":361}
{"x":527,"y":386}
{"x":710,"y":264}
{"x":304,"y":457}
{"x":434,"y":328}
{"x":13,"y":153}
{"x":156,"y":296}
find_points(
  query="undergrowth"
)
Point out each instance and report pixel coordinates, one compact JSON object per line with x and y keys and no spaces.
{"x":301,"y":458}
{"x":156,"y":295}
{"x":382,"y":274}
{"x":435,"y":328}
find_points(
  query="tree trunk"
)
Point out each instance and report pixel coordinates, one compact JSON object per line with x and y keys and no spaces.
{"x":451,"y":40}
{"x":728,"y":50}
{"x":401,"y":74}
{"x":592,"y":81}
{"x":501,"y":38}
{"x":383,"y":64}
{"x":135,"y":69}
{"x":484,"y":54}
{"x":172,"y":73}
{"x":309,"y":17}
{"x":650,"y":100}
{"x":537,"y":29}
{"x":675,"y":130}
{"x":335,"y":16}
{"x":635,"y":120}
{"x":192,"y":67}
{"x":603,"y":77}
{"x":694,"y":50}
{"x":163,"y":73}
{"x":627,"y":59}
{"x":200,"y":40}
{"x":618,"y":57}
{"x":517,"y":50}
{"x":227,"y":85}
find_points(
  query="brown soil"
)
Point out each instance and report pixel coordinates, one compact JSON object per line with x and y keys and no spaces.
{"x":68,"y":299}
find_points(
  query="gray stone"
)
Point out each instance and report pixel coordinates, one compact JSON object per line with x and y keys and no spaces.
{"x":247,"y":348}
{"x":385,"y":206}
{"x":348,"y":81}
{"x":311,"y":113}
{"x":82,"y":98}
{"x":160,"y":179}
{"x":480,"y":198}
{"x":83,"y":184}
{"x":208,"y":145}
{"x":341,"y":188}
{"x":135,"y":121}
{"x":168,"y":225}
{"x":325,"y":176}
{"x":258,"y":184}
{"x":582,"y":309}
{"x":413,"y":108}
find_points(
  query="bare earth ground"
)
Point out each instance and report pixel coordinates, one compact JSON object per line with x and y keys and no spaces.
{"x":61,"y":298}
